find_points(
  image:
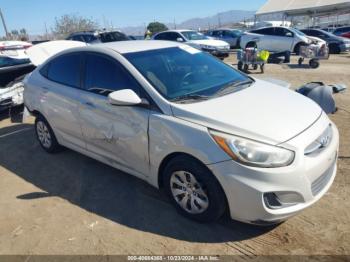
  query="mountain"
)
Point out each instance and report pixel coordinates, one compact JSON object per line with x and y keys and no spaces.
{"x":220,"y":19}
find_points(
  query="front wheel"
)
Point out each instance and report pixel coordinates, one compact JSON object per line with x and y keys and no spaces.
{"x":46,"y":136}
{"x":194,"y":190}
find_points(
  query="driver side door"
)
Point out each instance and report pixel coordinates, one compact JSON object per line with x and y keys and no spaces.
{"x":117,"y":134}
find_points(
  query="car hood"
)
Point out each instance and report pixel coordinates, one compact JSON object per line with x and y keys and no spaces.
{"x":210,"y":42}
{"x":263,"y":111}
{"x":316,"y":40}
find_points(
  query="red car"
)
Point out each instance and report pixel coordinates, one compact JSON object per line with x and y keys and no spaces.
{"x":347,"y":35}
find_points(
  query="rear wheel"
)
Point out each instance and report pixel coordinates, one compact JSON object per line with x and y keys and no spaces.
{"x":45,"y":135}
{"x":194,"y":190}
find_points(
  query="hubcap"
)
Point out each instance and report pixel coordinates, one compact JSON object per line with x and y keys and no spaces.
{"x":188,"y":192}
{"x":43,"y":134}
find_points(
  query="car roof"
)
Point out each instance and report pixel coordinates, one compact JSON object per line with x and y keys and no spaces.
{"x":124,"y":47}
{"x":179,"y":30}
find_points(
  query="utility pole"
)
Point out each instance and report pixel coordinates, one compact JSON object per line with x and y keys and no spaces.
{"x":3,"y":22}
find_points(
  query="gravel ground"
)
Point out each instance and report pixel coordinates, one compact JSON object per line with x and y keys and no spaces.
{"x":70,"y":204}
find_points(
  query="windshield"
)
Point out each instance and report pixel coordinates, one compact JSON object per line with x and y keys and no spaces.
{"x":182,"y":71}
{"x":193,"y":35}
{"x":113,"y":37}
{"x":297,"y":31}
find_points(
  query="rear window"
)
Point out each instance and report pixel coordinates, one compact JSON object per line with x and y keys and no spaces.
{"x":113,"y":37}
{"x":65,"y":70}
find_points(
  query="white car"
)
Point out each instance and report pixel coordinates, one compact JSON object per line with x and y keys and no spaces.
{"x":278,"y":39}
{"x":197,"y":40}
{"x":213,"y":138}
{"x":14,"y":64}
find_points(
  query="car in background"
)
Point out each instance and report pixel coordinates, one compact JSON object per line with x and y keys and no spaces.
{"x":97,"y":37}
{"x":231,"y":36}
{"x":346,"y":35}
{"x":197,"y":40}
{"x":341,"y":30}
{"x":14,"y":65}
{"x":136,"y":37}
{"x":278,"y":39}
{"x":335,"y":43}
{"x":213,"y":138}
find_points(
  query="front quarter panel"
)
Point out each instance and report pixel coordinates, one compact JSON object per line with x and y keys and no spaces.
{"x":168,"y":134}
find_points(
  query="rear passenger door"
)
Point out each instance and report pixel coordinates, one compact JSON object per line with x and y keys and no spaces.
{"x":116,"y":134}
{"x":59,"y":94}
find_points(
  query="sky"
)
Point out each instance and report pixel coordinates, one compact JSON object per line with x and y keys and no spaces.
{"x":34,"y":14}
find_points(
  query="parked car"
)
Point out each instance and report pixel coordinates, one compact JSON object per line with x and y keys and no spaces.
{"x":335,"y":43}
{"x":136,"y":37}
{"x":96,"y":37}
{"x":278,"y":39}
{"x":213,"y":138}
{"x":14,"y":64}
{"x":230,"y":36}
{"x":197,"y":40}
{"x":341,"y":30}
{"x":346,"y":35}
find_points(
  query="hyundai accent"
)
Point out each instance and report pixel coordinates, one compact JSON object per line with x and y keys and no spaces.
{"x":211,"y":137}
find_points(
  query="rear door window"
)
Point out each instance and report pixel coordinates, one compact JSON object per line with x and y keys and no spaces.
{"x":65,"y":70}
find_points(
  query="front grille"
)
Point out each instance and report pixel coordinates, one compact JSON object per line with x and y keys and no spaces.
{"x":322,"y":181}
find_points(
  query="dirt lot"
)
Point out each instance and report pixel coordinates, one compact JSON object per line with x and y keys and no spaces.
{"x":70,"y":204}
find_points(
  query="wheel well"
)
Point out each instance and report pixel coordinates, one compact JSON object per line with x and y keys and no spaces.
{"x":166,"y":160}
{"x":251,"y":44}
{"x":298,"y":45}
{"x":172,"y":156}
{"x":36,"y":113}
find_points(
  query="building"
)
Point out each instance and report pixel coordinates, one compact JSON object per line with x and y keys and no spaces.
{"x":312,"y":12}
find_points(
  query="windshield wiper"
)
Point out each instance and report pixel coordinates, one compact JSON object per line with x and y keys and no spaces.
{"x":233,"y":85}
{"x":189,"y":97}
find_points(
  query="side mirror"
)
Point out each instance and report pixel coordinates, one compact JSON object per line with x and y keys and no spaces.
{"x":289,"y":35}
{"x":179,"y":39}
{"x":125,"y":97}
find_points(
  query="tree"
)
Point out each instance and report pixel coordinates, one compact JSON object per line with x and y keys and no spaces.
{"x":68,"y":24}
{"x":156,"y":27}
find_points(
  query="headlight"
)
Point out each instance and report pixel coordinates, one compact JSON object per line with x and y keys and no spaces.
{"x":252,"y":153}
{"x":208,"y":47}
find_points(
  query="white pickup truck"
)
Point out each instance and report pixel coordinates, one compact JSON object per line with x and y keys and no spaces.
{"x":278,"y":39}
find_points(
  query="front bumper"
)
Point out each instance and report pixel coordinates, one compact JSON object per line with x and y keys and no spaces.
{"x":307,"y":179}
{"x":218,"y":53}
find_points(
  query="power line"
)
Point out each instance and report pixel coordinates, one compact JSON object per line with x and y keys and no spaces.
{"x":3,"y":22}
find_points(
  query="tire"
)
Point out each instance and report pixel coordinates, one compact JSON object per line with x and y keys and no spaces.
{"x":314,"y":63}
{"x":240,"y":66}
{"x":46,"y":136}
{"x":297,"y":48}
{"x":193,"y":190}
